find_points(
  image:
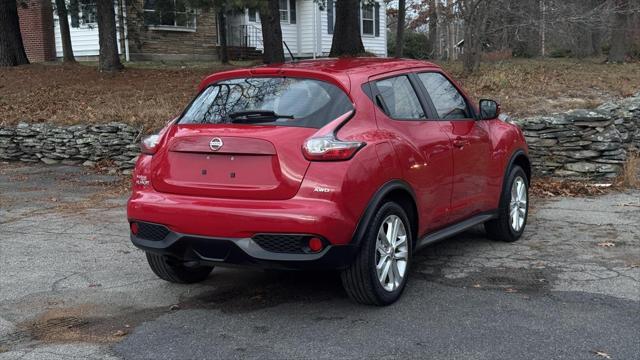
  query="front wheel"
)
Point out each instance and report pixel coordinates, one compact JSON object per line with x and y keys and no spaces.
{"x":514,"y":208}
{"x":380,"y":271}
{"x":174,"y":271}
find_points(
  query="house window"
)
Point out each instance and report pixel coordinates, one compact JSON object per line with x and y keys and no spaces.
{"x":284,"y":10}
{"x":368,"y":20}
{"x":253,"y":15}
{"x":83,"y":13}
{"x":167,"y":14}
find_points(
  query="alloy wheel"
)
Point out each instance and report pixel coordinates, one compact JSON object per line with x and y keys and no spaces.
{"x":518,"y":204}
{"x":392,"y":253}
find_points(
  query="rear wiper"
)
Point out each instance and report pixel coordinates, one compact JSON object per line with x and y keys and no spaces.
{"x":256,"y":116}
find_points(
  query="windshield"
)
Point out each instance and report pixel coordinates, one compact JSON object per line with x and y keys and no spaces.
{"x":268,"y":101}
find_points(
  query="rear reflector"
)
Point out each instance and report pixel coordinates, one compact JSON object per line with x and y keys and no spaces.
{"x":134,"y":228}
{"x":328,"y":148}
{"x":315,"y":244}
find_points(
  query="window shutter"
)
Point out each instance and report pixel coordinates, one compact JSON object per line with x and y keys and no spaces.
{"x":376,"y":22}
{"x":292,"y":11}
{"x":329,"y":16}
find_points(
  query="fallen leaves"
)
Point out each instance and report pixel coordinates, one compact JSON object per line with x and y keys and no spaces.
{"x":550,"y":187}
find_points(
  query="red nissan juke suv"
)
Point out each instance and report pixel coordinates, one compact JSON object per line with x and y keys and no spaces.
{"x":349,"y":164}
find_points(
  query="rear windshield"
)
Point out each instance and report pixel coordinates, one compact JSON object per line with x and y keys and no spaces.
{"x":268,"y":101}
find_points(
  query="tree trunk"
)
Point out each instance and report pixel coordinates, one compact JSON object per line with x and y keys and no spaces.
{"x":109,"y":57}
{"x":433,"y":28}
{"x":67,"y":50}
{"x":272,"y":33}
{"x":346,"y":35}
{"x":11,"y":47}
{"x":222,"y":32}
{"x":619,"y":41}
{"x":475,"y":20}
{"x":400,"y":31}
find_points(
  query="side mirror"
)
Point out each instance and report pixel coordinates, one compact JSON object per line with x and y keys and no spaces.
{"x":489,"y":109}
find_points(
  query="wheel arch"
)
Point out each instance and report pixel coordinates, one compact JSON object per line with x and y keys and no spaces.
{"x":394,"y":190}
{"x":520,"y":158}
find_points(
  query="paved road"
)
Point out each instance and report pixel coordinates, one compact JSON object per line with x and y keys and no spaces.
{"x":72,"y":286}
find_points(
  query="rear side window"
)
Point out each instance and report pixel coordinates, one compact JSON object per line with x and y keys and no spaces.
{"x":268,"y":101}
{"x":400,"y":99}
{"x":448,"y":101}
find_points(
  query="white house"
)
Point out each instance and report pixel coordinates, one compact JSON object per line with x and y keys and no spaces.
{"x":307,"y":28}
{"x":169,"y":30}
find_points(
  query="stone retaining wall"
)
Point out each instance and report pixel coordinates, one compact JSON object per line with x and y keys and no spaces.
{"x":584,"y":143}
{"x":77,"y":144}
{"x":577,"y":144}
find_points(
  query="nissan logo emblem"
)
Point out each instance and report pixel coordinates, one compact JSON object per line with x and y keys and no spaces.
{"x":215,"y":144}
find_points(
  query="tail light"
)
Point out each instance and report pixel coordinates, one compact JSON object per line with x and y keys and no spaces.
{"x":328,"y":148}
{"x":149,"y":144}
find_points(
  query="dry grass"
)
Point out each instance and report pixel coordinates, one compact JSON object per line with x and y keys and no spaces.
{"x":532,"y":86}
{"x":79,"y":94}
{"x":151,"y":93}
{"x":630,"y":176}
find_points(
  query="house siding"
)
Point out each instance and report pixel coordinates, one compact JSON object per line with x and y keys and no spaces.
{"x":84,"y":39}
{"x":300,"y":36}
{"x":289,"y":32}
{"x":146,"y":43}
{"x":374,"y":44}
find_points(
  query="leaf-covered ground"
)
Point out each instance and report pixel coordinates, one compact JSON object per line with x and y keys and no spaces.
{"x":151,"y":93}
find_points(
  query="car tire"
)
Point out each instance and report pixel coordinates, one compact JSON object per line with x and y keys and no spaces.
{"x":361,"y":278}
{"x":514,"y":198}
{"x":173,"y":271}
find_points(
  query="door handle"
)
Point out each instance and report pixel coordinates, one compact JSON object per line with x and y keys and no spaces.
{"x":460,"y":142}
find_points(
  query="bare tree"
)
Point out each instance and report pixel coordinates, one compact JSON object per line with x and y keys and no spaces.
{"x":619,"y":44}
{"x":11,"y":47}
{"x":433,"y":26}
{"x":222,"y":29}
{"x":65,"y":35}
{"x":271,"y":33}
{"x":474,"y":13}
{"x":109,"y":58}
{"x":346,"y":34}
{"x":402,"y":10}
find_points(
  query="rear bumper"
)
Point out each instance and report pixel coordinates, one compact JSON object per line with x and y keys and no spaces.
{"x":242,"y":252}
{"x":239,"y":218}
{"x":222,"y":231}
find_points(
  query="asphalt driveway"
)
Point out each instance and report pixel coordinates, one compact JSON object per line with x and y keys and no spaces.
{"x":73,"y":286}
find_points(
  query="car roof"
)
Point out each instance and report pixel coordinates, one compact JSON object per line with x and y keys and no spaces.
{"x":341,"y":71}
{"x":368,"y":65}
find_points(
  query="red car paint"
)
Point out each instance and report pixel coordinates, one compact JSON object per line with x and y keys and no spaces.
{"x":455,"y":168}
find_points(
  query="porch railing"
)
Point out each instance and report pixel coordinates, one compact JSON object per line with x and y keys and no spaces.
{"x":245,"y":35}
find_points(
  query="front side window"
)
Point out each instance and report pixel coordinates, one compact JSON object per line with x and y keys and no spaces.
{"x":448,"y":101}
{"x":367,"y":20}
{"x":400,"y":99}
{"x":268,"y":101}
{"x":284,"y":10}
{"x":169,"y":13}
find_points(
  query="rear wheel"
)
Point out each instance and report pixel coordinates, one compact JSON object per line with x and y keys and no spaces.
{"x":174,"y":271}
{"x":380,"y":271}
{"x":514,"y":208}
